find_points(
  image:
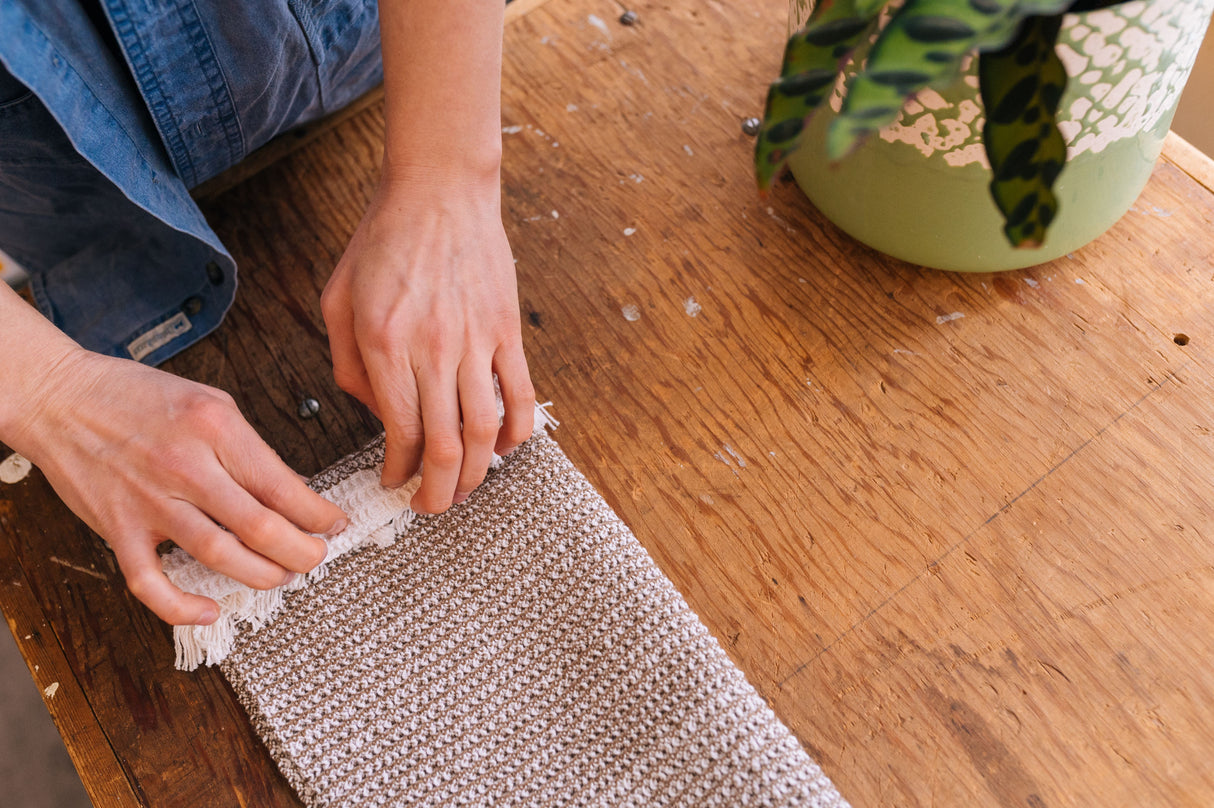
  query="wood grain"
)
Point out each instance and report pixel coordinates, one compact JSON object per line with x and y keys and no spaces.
{"x":954,"y":527}
{"x":1185,"y":156}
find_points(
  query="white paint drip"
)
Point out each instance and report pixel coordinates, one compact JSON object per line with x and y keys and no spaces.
{"x":687,"y":149}
{"x":51,"y":690}
{"x":734,"y":455}
{"x":1032,"y":283}
{"x":628,"y":231}
{"x":598,"y":23}
{"x":948,"y":318}
{"x":631,"y":312}
{"x":555,"y":215}
{"x":571,"y":107}
{"x":692,"y":307}
{"x":78,"y":568}
{"x":512,"y":130}
{"x":14,"y":469}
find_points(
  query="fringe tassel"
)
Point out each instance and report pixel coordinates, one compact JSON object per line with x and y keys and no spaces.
{"x":378,"y":516}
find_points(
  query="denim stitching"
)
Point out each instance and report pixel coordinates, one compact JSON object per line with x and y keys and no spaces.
{"x":221,"y":96}
{"x":149,"y":83}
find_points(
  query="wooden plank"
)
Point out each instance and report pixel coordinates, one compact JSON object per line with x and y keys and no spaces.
{"x":1057,"y":655}
{"x":1189,"y":159}
{"x":63,"y":696}
{"x":845,"y":479}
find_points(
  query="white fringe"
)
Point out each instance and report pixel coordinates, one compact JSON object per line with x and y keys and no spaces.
{"x":377,"y":516}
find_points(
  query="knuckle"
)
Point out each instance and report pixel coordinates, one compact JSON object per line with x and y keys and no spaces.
{"x":212,"y":413}
{"x":481,"y":429}
{"x":311,"y":557}
{"x":142,"y":585}
{"x":443,"y":451}
{"x":209,"y":548}
{"x":277,"y":487}
{"x":258,"y":529}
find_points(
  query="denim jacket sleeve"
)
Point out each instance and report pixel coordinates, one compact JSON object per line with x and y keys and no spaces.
{"x":96,"y":161}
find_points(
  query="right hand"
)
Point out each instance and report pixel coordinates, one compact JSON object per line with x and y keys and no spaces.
{"x":143,"y":456}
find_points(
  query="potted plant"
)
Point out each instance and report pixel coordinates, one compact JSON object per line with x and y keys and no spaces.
{"x":948,"y":133}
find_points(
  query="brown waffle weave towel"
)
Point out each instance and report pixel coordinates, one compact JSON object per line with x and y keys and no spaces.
{"x":521,"y":649}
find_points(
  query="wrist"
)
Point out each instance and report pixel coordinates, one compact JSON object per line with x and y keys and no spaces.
{"x":38,"y":363}
{"x":475,"y":170}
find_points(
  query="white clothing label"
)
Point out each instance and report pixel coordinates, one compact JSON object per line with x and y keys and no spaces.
{"x":162,"y":334}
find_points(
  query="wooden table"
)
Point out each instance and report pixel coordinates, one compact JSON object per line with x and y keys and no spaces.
{"x":957,"y":529}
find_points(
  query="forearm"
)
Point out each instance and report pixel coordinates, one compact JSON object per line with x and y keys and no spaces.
{"x":32,"y":352}
{"x":442,"y":80}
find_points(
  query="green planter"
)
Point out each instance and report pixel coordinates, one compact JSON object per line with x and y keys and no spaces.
{"x":919,"y":191}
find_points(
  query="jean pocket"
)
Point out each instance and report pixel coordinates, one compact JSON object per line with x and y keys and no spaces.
{"x":343,"y":36}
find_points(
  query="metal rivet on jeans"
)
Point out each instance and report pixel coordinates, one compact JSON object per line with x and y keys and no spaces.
{"x":628,"y":18}
{"x":751,"y":126}
{"x":308,"y":407}
{"x":192,"y":305}
{"x":214,"y":273}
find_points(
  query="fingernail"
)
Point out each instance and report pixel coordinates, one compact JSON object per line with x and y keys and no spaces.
{"x":341,"y":524}
{"x":208,"y":617}
{"x":288,"y":579}
{"x":460,"y":496}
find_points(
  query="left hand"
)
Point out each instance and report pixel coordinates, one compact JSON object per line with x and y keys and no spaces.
{"x":422,"y":311}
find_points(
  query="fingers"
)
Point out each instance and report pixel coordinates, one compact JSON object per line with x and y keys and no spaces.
{"x":260,"y":546}
{"x":478,"y":410}
{"x":518,"y":398}
{"x":443,"y":451}
{"x":401,"y":416}
{"x":147,"y":582}
{"x":349,"y":372}
{"x":229,"y":552}
{"x":261,"y":472}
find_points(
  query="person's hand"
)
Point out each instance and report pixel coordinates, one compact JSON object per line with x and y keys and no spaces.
{"x":422,"y":311}
{"x":143,"y":456}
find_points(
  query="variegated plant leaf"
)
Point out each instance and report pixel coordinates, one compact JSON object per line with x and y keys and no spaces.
{"x":923,"y":45}
{"x":812,"y":60}
{"x":1021,"y":86}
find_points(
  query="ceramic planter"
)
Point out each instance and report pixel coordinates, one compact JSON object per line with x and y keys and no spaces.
{"x":919,"y":191}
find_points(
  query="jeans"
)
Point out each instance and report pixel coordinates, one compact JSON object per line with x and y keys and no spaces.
{"x":103,"y":130}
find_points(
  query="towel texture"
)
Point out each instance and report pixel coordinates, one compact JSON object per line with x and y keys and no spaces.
{"x":521,"y":649}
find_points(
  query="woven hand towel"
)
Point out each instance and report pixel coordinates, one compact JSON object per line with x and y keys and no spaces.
{"x":521,"y":649}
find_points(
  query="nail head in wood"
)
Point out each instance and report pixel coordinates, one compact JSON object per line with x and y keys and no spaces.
{"x":308,"y":407}
{"x":628,"y":18}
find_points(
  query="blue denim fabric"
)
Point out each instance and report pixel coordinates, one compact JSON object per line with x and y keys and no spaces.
{"x":98,"y":150}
